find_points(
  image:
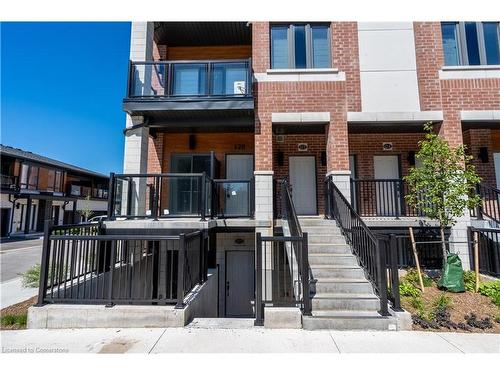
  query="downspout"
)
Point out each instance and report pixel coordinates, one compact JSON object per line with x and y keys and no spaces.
{"x":133,"y":127}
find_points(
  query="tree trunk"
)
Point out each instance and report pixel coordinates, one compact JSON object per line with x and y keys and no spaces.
{"x":443,"y":244}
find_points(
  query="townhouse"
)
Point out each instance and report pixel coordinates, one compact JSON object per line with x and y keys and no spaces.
{"x":271,"y":155}
{"x":35,"y":188}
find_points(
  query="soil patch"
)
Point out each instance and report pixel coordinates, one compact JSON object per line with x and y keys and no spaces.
{"x":461,"y":305}
{"x":16,"y":312}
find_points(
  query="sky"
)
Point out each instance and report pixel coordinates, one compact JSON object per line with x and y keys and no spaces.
{"x":62,"y":86}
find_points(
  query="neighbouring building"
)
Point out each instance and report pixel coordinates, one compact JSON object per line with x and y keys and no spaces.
{"x":257,"y":132}
{"x":35,"y":188}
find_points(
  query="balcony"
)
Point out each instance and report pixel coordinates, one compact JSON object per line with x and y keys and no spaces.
{"x":182,"y":92}
{"x":85,"y":191}
{"x":9,"y":182}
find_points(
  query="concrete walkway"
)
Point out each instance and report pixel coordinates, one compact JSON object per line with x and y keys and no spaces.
{"x":12,"y":292}
{"x":249,"y":340}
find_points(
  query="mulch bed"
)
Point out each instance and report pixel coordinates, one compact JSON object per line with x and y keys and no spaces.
{"x":462,"y":304}
{"x":17,"y":309}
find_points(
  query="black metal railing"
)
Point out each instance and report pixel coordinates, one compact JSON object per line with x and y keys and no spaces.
{"x":194,"y":78}
{"x":83,"y":264}
{"x":178,"y":195}
{"x":233,"y":198}
{"x":282,"y":263}
{"x":9,"y":182}
{"x":489,"y":206}
{"x":381,"y":197}
{"x":489,"y":250}
{"x":368,"y":248}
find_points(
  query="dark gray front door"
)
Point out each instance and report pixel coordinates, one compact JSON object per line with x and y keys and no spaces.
{"x":239,"y":283}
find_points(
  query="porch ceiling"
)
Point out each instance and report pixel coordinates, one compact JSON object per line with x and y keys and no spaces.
{"x":202,"y":33}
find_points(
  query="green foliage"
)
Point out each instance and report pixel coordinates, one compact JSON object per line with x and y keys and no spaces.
{"x":418,"y":304}
{"x":11,"y":319}
{"x":31,"y":278}
{"x":442,"y":302}
{"x":470,"y":281}
{"x":443,"y":187}
{"x":412,"y":277}
{"x":408,"y":290}
{"x":497,"y":318}
{"x":86,"y":212}
{"x":491,"y":289}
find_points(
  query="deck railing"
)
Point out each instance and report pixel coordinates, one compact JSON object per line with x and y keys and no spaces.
{"x":489,"y":250}
{"x":82,"y":264}
{"x":375,"y":254}
{"x":194,"y":78}
{"x":381,"y":197}
{"x":282,"y":263}
{"x":489,"y":207}
{"x":177,"y":195}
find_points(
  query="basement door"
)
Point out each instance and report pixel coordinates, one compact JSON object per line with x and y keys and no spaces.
{"x":386,"y":167}
{"x":240,"y":283}
{"x":303,"y":181}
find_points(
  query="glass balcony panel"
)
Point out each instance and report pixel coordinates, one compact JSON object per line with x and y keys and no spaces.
{"x":229,"y":78}
{"x":189,"y":79}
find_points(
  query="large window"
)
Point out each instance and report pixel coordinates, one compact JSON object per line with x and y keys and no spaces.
{"x":300,"y":46}
{"x":471,"y":43}
{"x":54,"y":180}
{"x":29,"y":177}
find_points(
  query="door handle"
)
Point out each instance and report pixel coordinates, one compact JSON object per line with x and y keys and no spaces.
{"x":227,"y":288}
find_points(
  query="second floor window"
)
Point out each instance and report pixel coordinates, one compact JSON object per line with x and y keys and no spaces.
{"x":29,"y":177}
{"x":300,"y":46}
{"x":471,"y":43}
{"x":54,"y":180}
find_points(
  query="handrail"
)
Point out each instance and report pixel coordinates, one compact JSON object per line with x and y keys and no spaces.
{"x":369,"y":249}
{"x":489,"y":205}
{"x":488,"y":250}
{"x":288,"y":209}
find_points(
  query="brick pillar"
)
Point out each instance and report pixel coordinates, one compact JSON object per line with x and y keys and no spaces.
{"x":337,"y":146}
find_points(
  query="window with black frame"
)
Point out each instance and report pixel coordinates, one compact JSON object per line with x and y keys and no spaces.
{"x":471,"y":43}
{"x":300,"y":46}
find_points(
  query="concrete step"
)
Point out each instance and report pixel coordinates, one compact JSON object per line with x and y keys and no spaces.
{"x":326,"y":238}
{"x":338,"y":272}
{"x":333,"y":259}
{"x":330,"y":248}
{"x":320,"y":230}
{"x":341,"y":286}
{"x":345,"y":301}
{"x":355,"y":321}
{"x":316,"y":222}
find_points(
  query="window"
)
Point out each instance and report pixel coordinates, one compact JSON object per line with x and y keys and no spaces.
{"x":300,"y":46}
{"x":54,"y":180}
{"x":29,"y":177}
{"x":471,"y":43}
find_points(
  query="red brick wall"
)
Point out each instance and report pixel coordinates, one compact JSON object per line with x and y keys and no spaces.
{"x":155,"y":154}
{"x":302,"y":97}
{"x":466,"y":94}
{"x":345,"y":57}
{"x":260,"y":47}
{"x":474,"y":139}
{"x":365,"y":150}
{"x":430,"y":59}
{"x":316,"y":144}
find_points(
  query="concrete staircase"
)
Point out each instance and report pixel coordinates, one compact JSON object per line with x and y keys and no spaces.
{"x":342,"y":297}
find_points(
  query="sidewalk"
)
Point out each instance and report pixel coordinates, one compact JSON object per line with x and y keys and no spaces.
{"x":12,"y":292}
{"x":249,"y":340}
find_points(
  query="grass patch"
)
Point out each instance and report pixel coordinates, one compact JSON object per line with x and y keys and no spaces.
{"x":31,"y":278}
{"x":16,"y":321}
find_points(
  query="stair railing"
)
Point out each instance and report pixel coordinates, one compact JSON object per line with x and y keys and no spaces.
{"x":369,"y":250}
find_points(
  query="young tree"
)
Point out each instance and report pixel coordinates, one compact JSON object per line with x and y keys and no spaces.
{"x":86,"y":212}
{"x":443,"y":187}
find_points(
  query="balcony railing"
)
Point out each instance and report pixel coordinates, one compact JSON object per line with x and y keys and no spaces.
{"x":85,"y":191}
{"x":179,"y":195}
{"x":9,"y":182}
{"x":381,"y":197}
{"x":184,"y":79}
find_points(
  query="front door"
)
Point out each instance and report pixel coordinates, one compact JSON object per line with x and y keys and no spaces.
{"x":240,"y":283}
{"x":388,"y":199}
{"x":236,"y":194}
{"x":303,"y":181}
